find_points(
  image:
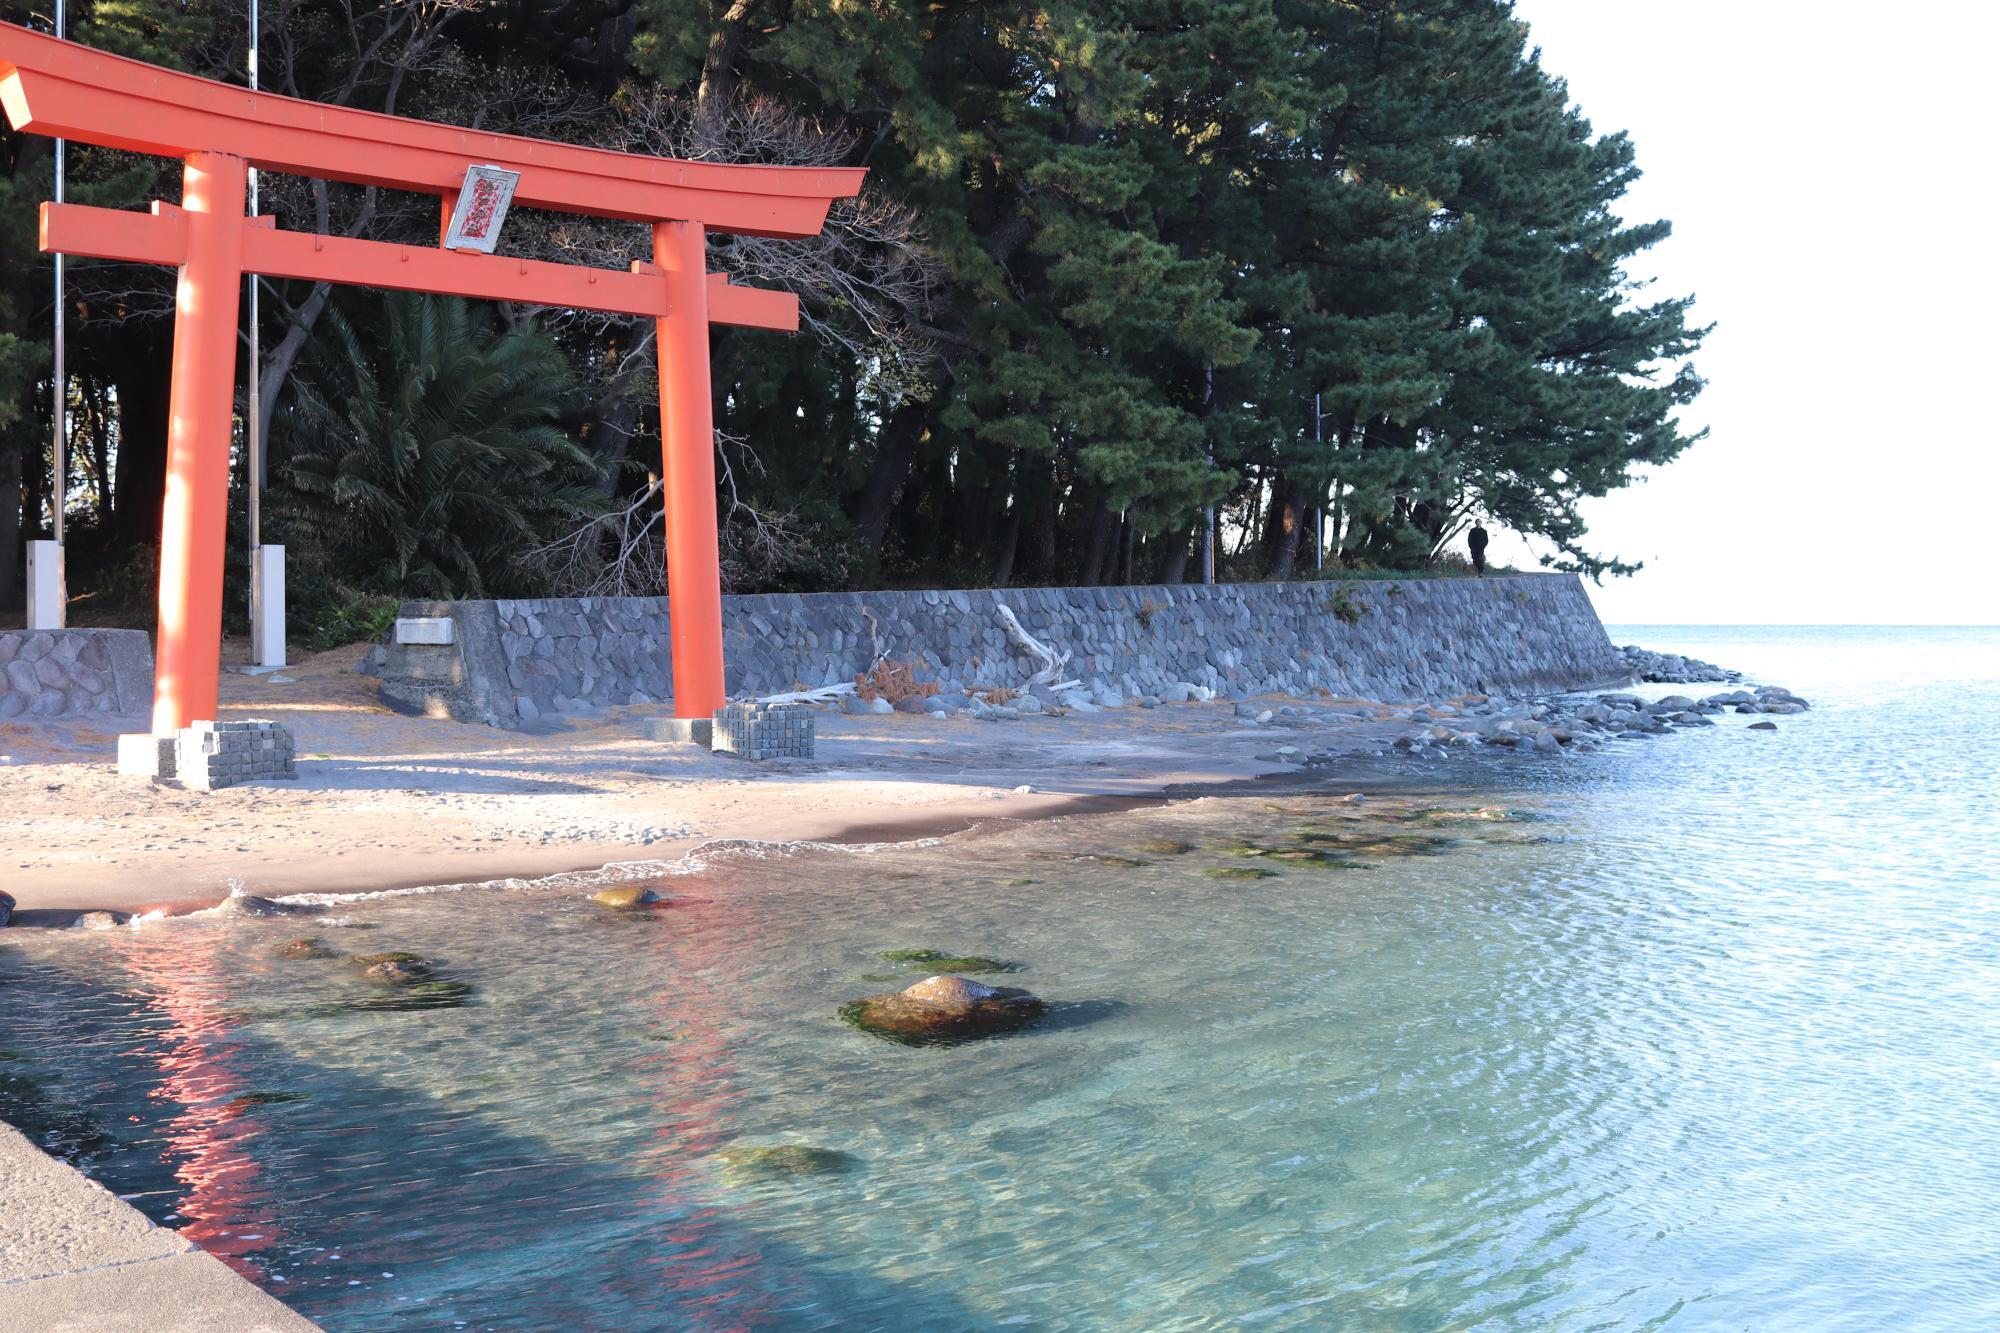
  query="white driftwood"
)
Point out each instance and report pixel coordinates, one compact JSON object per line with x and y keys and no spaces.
{"x":825,"y":694}
{"x":1052,"y":661}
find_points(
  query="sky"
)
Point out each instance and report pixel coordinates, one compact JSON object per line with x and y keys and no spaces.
{"x":1828,"y":168}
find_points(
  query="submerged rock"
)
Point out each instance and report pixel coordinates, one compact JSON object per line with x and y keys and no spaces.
{"x":250,"y":1099}
{"x":394,"y":969}
{"x":934,"y":961}
{"x":781,"y":1160}
{"x":625,"y":895}
{"x":1377,"y":844}
{"x":306,"y":948}
{"x":1166,"y":847}
{"x":1313,"y":857}
{"x":1239,"y":872}
{"x":944,"y":1010}
{"x":390,"y":972}
{"x":102,"y":920}
{"x":416,"y":995}
{"x":1093,"y":858}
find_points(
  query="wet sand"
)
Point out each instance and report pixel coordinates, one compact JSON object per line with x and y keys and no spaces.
{"x":387,"y":801}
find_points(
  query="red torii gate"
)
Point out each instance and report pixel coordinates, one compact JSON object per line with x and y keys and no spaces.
{"x":219,"y":131}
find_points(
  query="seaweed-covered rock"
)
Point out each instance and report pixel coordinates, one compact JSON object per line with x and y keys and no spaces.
{"x":944,"y":1010}
{"x":1166,"y":847}
{"x":304,"y":948}
{"x":746,"y":1162}
{"x":934,"y":961}
{"x":1239,"y":872}
{"x":251,"y":1099}
{"x":623,"y":896}
{"x":244,"y":905}
{"x":415,"y":995}
{"x":391,"y":972}
{"x":399,"y":968}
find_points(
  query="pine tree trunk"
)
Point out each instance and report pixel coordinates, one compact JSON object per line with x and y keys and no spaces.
{"x":1175,"y":568}
{"x":1042,"y":534}
{"x":1010,"y":538}
{"x":139,"y":486}
{"x":1102,"y":529}
{"x":898,"y":450}
{"x":1289,"y":514}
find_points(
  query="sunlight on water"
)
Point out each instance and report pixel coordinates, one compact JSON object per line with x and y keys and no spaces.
{"x":1697,"y":1032}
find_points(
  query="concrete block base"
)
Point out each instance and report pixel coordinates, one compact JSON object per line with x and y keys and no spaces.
{"x":764,"y":731}
{"x":209,"y":756}
{"x":48,"y":598}
{"x":267,"y":606}
{"x":684,"y":730}
{"x":141,"y":754}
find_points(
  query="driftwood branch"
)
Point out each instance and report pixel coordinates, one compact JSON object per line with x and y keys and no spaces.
{"x":1052,"y":661}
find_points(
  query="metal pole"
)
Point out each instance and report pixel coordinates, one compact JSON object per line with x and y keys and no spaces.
{"x":1319,"y":510}
{"x":253,"y":425}
{"x":1208,"y":519}
{"x":59,"y":380}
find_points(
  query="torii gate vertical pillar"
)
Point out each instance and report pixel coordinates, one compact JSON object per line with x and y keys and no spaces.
{"x":687,"y":421}
{"x":195,"y":521}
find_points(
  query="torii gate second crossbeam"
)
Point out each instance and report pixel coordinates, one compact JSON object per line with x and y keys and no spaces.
{"x":219,"y":131}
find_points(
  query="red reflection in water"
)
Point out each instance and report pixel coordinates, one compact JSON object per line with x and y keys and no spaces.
{"x":714,"y":1266}
{"x":207,"y":1132}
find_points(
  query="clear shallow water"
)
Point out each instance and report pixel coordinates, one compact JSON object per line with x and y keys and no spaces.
{"x":1711,"y":1040}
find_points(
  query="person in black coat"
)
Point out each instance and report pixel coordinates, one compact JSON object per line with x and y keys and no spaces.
{"x":1476,"y":542}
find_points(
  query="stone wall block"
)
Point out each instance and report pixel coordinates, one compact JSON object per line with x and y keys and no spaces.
{"x":1432,"y":637}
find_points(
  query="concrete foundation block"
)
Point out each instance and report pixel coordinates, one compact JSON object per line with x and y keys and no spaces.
{"x":48,"y":598}
{"x":210,"y":756}
{"x":684,"y":730}
{"x":764,"y":731}
{"x":141,"y":754}
{"x":267,"y":606}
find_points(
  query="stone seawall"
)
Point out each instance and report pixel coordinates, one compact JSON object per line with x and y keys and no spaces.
{"x":515,"y":662}
{"x":59,"y":672}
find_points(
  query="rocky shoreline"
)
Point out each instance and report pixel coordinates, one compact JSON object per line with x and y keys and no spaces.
{"x":1542,"y":724}
{"x":1652,"y":668}
{"x":1554,"y":726}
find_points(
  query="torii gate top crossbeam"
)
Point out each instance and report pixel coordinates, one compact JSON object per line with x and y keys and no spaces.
{"x":67,"y":91}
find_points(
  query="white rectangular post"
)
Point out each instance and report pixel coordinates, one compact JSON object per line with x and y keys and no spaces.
{"x":267,"y":606}
{"x":46,"y":593}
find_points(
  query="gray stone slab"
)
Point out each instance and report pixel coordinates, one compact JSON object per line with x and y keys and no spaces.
{"x":192,"y":1292}
{"x":56,"y":1220}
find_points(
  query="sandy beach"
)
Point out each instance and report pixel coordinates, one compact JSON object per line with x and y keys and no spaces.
{"x":388,"y":801}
